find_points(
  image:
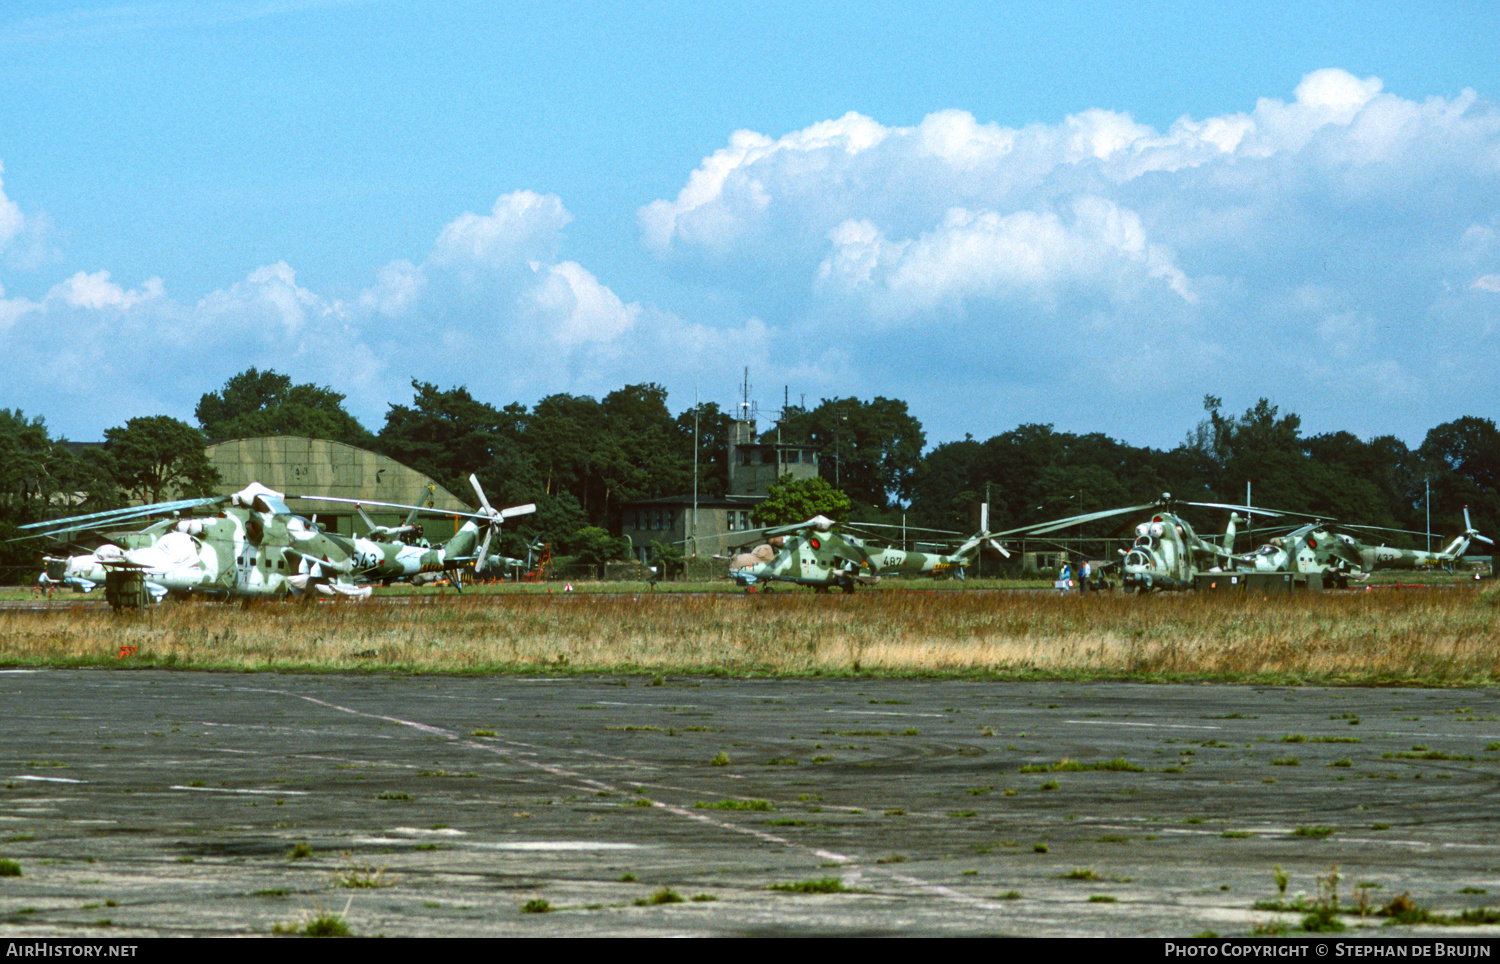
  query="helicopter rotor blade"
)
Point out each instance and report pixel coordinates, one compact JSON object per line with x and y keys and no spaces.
{"x":100,"y":520}
{"x":1056,"y":525}
{"x":819,"y":522}
{"x":1235,"y":508}
{"x":484,"y":549}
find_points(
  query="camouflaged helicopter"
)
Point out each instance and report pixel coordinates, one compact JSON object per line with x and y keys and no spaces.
{"x":1324,"y":549}
{"x":815,"y":553}
{"x":254,"y":547}
{"x":1167,"y":553}
{"x":84,"y":573}
{"x":383,"y":556}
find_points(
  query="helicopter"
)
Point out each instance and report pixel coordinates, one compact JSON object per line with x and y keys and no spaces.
{"x":254,"y":547}
{"x":498,"y":565}
{"x":813,"y":553}
{"x":384,"y":557}
{"x":409,"y":532}
{"x":1323,"y":549}
{"x":85,"y":572}
{"x":1167,"y":552}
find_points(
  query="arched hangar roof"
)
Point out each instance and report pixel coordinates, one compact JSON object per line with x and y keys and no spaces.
{"x":311,"y":466}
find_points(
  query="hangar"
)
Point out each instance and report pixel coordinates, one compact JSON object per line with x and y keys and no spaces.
{"x":310,"y":466}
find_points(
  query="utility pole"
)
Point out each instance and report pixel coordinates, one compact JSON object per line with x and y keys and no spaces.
{"x":693,"y":524}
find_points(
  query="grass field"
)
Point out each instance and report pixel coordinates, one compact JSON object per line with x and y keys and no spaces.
{"x":1424,"y":636}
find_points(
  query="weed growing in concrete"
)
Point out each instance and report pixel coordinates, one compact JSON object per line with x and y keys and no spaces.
{"x":664,"y":896}
{"x":1422,"y":753}
{"x":536,"y":905}
{"x":823,"y":885}
{"x":363,"y":878}
{"x":734,"y":805}
{"x":1118,"y":764}
{"x":324,"y":924}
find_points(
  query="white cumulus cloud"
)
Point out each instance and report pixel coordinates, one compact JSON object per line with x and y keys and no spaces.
{"x":1117,"y":240}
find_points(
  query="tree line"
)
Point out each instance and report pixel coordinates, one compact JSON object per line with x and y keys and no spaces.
{"x":581,"y":459}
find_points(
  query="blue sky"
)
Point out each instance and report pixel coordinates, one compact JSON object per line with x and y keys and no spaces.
{"x":1084,"y":214}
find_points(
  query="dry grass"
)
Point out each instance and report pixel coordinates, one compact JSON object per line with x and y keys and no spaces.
{"x":1434,"y":637}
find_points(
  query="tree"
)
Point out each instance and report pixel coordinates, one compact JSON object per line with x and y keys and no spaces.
{"x":255,"y":403}
{"x":646,"y":456}
{"x":566,"y":438}
{"x":449,"y":435}
{"x":949,"y":485}
{"x":1262,"y":449}
{"x":1370,"y":483}
{"x":1463,"y":461}
{"x":246,"y":394}
{"x":1468,"y":447}
{"x":556,"y":520}
{"x":35,"y":471}
{"x":713,"y":428}
{"x":871,"y":450}
{"x":157,"y":457}
{"x":797,"y":500}
{"x":593,"y":546}
{"x":27,"y":465}
{"x":668,"y":557}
